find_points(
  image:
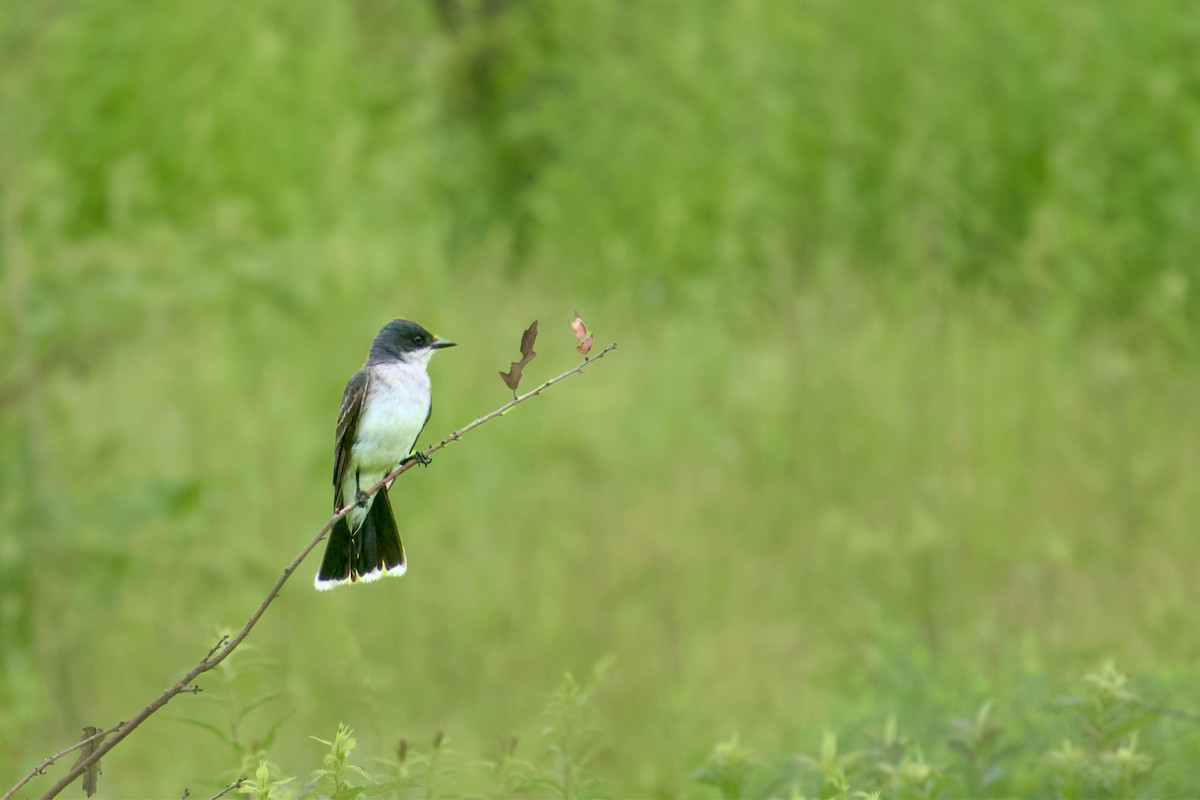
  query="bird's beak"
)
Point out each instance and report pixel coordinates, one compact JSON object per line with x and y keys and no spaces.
{"x":439,"y":343}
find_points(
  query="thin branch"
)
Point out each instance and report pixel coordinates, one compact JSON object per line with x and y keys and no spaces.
{"x":231,"y":787}
{"x":216,"y":656}
{"x":41,"y":768}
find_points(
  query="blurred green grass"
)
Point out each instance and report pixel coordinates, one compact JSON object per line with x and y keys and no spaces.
{"x":902,"y":417}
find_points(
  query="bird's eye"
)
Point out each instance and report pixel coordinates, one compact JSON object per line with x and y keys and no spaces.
{"x":418,"y":339}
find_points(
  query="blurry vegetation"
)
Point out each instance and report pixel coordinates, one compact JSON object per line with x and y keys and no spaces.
{"x":903,"y":426}
{"x":969,"y":760}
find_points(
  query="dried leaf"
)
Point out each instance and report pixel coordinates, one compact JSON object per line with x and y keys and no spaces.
{"x":581,"y":333}
{"x":92,"y":773}
{"x":512,"y":378}
{"x":527,"y":340}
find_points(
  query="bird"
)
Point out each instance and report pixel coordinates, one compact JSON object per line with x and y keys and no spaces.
{"x":384,"y":409}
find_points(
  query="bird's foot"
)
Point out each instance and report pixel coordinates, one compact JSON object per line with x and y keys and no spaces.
{"x":418,"y":457}
{"x":361,"y":499}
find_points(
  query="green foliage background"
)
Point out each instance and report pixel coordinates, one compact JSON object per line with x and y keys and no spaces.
{"x":903,"y":419}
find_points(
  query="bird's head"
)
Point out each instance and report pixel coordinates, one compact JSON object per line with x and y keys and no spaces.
{"x":405,"y":340}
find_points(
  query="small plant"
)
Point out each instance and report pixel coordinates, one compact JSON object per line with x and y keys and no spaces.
{"x":509,"y":773}
{"x":836,"y":769}
{"x":337,"y":780}
{"x":887,"y":768}
{"x":571,"y":730}
{"x":1107,"y":761}
{"x":263,"y":788}
{"x":1102,"y":757}
{"x":977,"y":740}
{"x":431,"y":770}
{"x":338,"y":775}
{"x":728,"y":769}
{"x":914,"y":777}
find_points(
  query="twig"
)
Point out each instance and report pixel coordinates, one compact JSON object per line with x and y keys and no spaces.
{"x":211,"y":660}
{"x":217,"y":646}
{"x":499,"y":412}
{"x":231,"y":787}
{"x":41,"y":768}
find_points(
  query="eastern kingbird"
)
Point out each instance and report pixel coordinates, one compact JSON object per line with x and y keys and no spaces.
{"x":384,"y":408}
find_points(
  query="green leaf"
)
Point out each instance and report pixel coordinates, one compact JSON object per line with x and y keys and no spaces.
{"x":258,"y":703}
{"x":268,"y":738}
{"x":313,"y":778}
{"x":1133,"y":723}
{"x":359,"y":771}
{"x":387,"y":787}
{"x":211,"y":728}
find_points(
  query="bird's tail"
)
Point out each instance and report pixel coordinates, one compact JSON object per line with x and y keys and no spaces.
{"x":367,"y":554}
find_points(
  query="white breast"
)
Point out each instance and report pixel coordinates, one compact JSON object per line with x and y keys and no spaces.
{"x":394,"y":411}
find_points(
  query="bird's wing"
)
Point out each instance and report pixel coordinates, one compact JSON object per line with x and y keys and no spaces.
{"x":347,"y":425}
{"x":428,"y":414}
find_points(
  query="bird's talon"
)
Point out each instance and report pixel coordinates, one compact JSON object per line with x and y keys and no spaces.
{"x":418,"y":457}
{"x":361,"y":500}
